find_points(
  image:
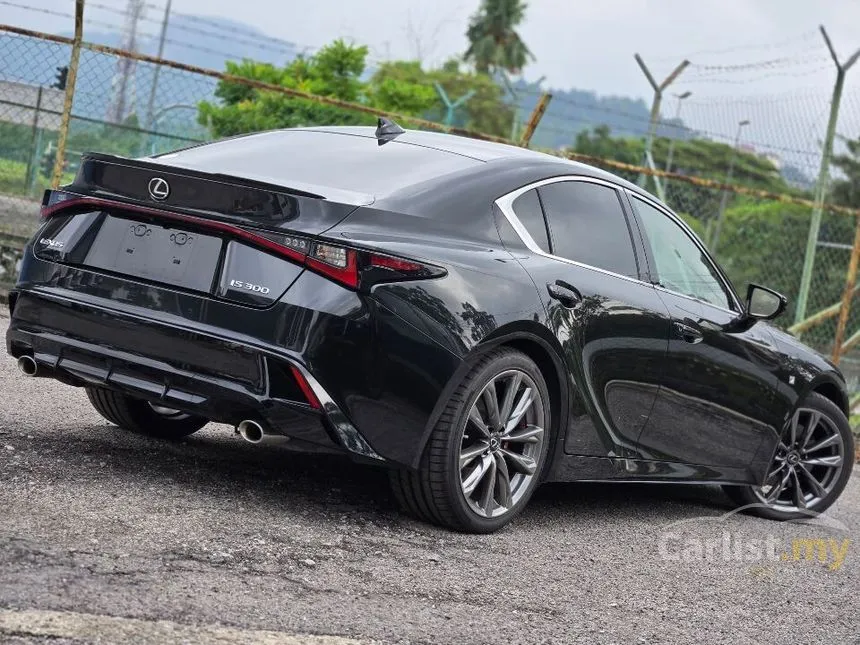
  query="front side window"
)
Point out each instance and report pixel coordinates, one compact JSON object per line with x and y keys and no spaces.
{"x":681,"y":265}
{"x":588,"y":225}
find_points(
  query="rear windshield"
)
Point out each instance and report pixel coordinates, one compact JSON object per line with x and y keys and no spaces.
{"x":312,"y":161}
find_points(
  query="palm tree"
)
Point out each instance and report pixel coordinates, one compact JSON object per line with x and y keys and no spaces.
{"x":494,"y":44}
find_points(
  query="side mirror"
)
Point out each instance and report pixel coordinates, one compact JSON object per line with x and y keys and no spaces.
{"x":764,"y":303}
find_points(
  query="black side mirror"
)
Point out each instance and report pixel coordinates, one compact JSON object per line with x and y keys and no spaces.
{"x":763,"y":303}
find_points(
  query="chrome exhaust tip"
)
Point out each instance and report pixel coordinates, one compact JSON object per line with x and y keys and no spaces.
{"x":251,"y":431}
{"x":28,"y":365}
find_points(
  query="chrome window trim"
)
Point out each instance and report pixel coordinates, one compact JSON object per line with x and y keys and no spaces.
{"x":694,"y":238}
{"x":506,"y":202}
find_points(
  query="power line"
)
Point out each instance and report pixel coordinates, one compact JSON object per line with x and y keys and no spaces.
{"x":174,"y":42}
{"x":151,"y":35}
{"x":283,"y":46}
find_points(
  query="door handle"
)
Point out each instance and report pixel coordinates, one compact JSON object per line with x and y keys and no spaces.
{"x":565,"y":294}
{"x":687,"y":334}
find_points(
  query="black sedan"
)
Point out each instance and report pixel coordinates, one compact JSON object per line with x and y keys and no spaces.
{"x":474,"y":317}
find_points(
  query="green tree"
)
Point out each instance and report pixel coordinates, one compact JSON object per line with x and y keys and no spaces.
{"x":494,"y":44}
{"x":846,"y":191}
{"x":404,"y":86}
{"x":697,"y":157}
{"x":334,"y":71}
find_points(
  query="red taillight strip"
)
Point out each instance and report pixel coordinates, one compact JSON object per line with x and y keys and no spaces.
{"x":348,"y":275}
{"x":395,"y":264}
{"x":305,"y":387}
{"x":189,"y":219}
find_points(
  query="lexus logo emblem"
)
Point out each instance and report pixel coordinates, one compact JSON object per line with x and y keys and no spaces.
{"x":159,"y":189}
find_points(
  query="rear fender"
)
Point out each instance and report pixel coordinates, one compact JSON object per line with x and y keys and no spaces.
{"x":537,"y":342}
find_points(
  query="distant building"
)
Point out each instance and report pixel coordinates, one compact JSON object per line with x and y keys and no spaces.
{"x":20,"y":101}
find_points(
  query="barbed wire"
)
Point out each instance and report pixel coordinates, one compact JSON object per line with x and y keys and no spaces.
{"x":703,"y":70}
{"x":805,"y":36}
{"x":753,"y":79}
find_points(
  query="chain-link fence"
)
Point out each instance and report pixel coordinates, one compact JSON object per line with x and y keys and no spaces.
{"x":134,"y":105}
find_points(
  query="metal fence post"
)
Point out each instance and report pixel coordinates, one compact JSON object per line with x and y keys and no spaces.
{"x":823,"y":179}
{"x":33,"y":159}
{"x":847,"y":295}
{"x":63,"y":134}
{"x":534,"y":119}
{"x":655,"y":116}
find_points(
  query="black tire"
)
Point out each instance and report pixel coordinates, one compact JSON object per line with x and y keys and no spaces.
{"x":434,"y":493}
{"x":748,"y":495}
{"x":138,"y":416}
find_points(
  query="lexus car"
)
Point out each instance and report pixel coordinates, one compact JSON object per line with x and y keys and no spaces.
{"x":473,"y":317}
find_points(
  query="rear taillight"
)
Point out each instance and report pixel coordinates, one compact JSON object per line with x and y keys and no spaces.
{"x":335,"y":262}
{"x":362,"y":269}
{"x":55,"y":200}
{"x":354,"y":268}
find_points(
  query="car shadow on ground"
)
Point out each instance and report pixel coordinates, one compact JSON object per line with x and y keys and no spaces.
{"x":221,"y":466}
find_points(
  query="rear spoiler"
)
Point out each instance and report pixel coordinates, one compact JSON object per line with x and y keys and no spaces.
{"x":204,"y":194}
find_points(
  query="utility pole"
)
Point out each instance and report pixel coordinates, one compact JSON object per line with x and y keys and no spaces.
{"x":451,"y":107}
{"x":125,"y":67}
{"x":671,"y":152}
{"x":150,"y":105}
{"x":655,"y":117}
{"x":725,"y":196}
{"x":823,"y":178}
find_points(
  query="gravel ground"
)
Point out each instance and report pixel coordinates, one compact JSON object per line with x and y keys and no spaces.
{"x":109,"y":537}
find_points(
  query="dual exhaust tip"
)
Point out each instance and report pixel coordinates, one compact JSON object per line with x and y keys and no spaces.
{"x":250,"y":430}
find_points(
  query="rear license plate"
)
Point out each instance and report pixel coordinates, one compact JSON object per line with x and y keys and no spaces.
{"x":145,"y":250}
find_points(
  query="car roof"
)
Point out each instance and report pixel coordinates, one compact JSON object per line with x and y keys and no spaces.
{"x":349,"y":164}
{"x":451,"y":143}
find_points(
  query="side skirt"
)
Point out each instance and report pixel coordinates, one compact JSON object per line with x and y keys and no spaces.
{"x":567,"y":468}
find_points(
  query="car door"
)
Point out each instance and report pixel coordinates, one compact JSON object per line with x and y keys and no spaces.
{"x":613,"y":327}
{"x":716,"y":405}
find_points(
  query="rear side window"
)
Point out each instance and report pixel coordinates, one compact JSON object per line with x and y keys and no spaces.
{"x":528,"y":210}
{"x":588,"y":225}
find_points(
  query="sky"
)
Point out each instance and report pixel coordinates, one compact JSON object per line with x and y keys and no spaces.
{"x":761,"y":60}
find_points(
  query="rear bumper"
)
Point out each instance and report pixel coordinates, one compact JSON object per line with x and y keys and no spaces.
{"x":126,"y":353}
{"x":378,"y":377}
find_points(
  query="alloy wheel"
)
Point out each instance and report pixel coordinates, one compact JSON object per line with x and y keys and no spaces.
{"x":501,"y":443}
{"x":807,"y":464}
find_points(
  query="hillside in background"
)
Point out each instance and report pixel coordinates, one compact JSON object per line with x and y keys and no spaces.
{"x":573,"y":111}
{"x":207,"y":44}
